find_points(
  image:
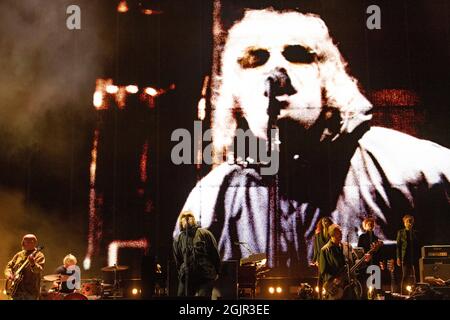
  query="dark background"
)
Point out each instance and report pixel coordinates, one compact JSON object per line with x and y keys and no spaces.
{"x":47,"y":120}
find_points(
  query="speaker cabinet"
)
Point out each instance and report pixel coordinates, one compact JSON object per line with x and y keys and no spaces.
{"x":438,"y":268}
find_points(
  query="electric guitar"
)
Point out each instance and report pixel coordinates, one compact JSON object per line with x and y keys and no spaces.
{"x":12,"y":285}
{"x":336,"y":286}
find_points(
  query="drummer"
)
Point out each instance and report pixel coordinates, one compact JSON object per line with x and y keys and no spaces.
{"x":70,"y":275}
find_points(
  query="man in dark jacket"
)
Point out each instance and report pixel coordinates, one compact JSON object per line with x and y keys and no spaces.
{"x":407,"y":251}
{"x":332,"y":259}
{"x":366,"y":240}
{"x":197,"y":258}
{"x":28,"y":288}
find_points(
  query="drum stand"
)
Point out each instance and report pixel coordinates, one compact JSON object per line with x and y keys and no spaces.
{"x":116,"y":291}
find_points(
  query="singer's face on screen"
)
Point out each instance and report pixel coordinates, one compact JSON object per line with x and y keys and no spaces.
{"x":287,"y":60}
{"x":261,"y":48}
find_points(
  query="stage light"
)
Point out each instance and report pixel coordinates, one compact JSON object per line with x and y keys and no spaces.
{"x":271,"y":290}
{"x":149,"y":12}
{"x":111,"y":89}
{"x":134,"y":291}
{"x":201,"y":107}
{"x":143,"y":163}
{"x":151,"y":91}
{"x":87,"y":264}
{"x":317,"y":289}
{"x":132,"y":89}
{"x":98,"y":99}
{"x":370,"y":293}
{"x":202,"y":102}
{"x":409,"y":289}
{"x":121,"y":98}
{"x":113,"y":248}
{"x":93,"y":218}
{"x":122,"y":7}
{"x":279,"y":290}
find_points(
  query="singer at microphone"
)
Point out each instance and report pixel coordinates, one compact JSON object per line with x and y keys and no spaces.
{"x":277,"y":84}
{"x":196,"y":257}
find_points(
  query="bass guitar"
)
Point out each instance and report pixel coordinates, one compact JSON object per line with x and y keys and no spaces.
{"x":336,"y":286}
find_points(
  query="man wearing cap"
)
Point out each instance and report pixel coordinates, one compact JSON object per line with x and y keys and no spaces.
{"x":29,"y":287}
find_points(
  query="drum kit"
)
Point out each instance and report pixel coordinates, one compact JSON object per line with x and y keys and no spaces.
{"x":91,"y":289}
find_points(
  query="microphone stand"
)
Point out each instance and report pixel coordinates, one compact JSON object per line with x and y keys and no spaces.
{"x":186,"y":267}
{"x":246,"y":246}
{"x":273,"y":111}
{"x":348,"y":258}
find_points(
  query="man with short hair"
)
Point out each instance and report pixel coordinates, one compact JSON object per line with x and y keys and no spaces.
{"x":368,"y":238}
{"x":29,"y":287}
{"x":332,"y":259}
{"x":407,"y":251}
{"x":335,"y":256}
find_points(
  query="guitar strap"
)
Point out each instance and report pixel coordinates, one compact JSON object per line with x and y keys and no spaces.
{"x":21,"y":261}
{"x":18,"y":263}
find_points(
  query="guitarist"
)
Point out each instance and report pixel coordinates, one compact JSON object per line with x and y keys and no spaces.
{"x":332,"y":261}
{"x":365,"y":241}
{"x":28,"y":287}
{"x":332,"y":258}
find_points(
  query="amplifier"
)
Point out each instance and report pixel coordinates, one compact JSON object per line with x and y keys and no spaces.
{"x":436,"y":251}
{"x":434,"y":267}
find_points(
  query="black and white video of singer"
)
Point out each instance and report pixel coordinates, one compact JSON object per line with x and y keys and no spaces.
{"x":282,"y":69}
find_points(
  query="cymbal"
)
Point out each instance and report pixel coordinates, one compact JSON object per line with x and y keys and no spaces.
{"x":52,"y":277}
{"x":114,"y":268}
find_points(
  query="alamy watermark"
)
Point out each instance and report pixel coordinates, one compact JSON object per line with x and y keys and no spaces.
{"x":73,"y":21}
{"x":374,"y":20}
{"x":246,"y":147}
{"x":74,"y":280}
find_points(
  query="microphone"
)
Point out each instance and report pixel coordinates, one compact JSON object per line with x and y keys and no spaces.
{"x":277,"y":84}
{"x":274,"y":107}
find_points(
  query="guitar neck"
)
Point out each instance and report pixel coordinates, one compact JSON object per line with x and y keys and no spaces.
{"x":357,"y":264}
{"x":26,"y":262}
